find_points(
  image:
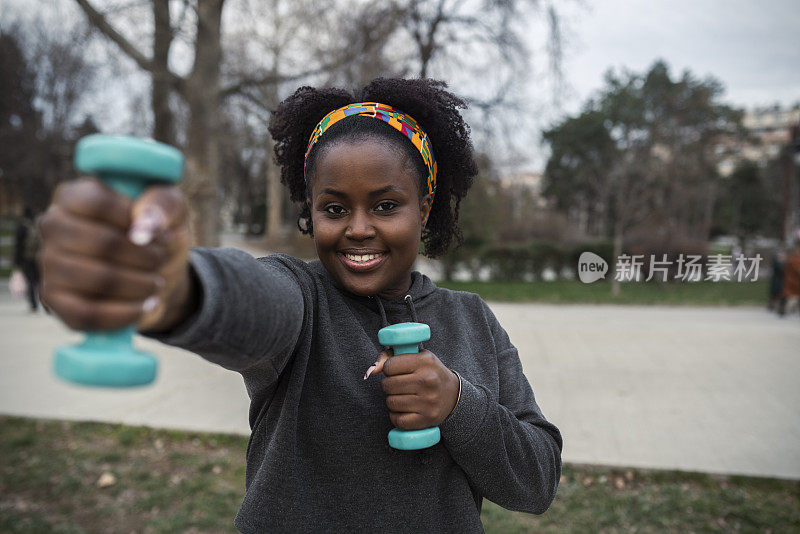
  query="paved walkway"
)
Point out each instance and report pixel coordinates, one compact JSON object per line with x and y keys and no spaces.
{"x":705,"y":389}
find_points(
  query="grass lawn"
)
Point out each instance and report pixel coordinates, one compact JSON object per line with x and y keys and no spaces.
{"x":169,"y":481}
{"x":576,"y":292}
{"x":7,"y":233}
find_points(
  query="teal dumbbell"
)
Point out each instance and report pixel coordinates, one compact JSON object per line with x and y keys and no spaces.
{"x":404,"y":338}
{"x":128,"y":165}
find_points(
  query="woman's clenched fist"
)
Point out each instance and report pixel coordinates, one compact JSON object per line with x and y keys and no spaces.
{"x":108,"y":261}
{"x":420,"y":391}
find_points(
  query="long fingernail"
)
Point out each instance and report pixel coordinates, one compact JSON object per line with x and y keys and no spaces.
{"x":145,"y":225}
{"x":369,"y":371}
{"x":140,"y":236}
{"x":150,"y":304}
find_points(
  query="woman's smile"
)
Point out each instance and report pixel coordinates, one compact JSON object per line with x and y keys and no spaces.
{"x":368,"y":216}
{"x":362,"y":261}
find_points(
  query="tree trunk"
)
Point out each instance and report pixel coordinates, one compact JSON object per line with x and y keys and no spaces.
{"x":425,"y":57}
{"x":618,"y":227}
{"x":736,"y":215}
{"x":164,"y":120}
{"x":274,"y":196}
{"x":200,"y":90}
{"x":448,"y":268}
{"x":202,"y":149}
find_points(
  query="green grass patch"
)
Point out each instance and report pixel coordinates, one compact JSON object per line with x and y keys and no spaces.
{"x":164,"y":481}
{"x":576,"y":292}
{"x":602,"y":499}
{"x":8,"y":227}
{"x":170,"y":481}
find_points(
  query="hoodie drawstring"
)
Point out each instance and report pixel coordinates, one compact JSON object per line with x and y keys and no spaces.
{"x":409,"y":300}
{"x":385,"y":322}
{"x":410,"y":303}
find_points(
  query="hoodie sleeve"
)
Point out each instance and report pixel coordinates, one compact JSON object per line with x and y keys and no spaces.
{"x":251,"y":311}
{"x":509,"y":451}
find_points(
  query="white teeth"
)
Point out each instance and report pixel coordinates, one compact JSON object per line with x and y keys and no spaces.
{"x":361,"y":258}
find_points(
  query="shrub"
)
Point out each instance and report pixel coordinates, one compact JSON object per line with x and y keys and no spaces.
{"x":544,"y":255}
{"x":508,"y":262}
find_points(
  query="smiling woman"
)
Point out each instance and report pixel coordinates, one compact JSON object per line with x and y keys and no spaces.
{"x":376,"y":176}
{"x":424,"y":121}
{"x":368,"y":217}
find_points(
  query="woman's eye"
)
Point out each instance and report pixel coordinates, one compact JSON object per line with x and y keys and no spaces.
{"x":333,"y":209}
{"x":386,"y":206}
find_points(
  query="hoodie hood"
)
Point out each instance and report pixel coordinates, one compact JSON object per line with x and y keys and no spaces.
{"x":421,"y":287}
{"x":403,"y":305}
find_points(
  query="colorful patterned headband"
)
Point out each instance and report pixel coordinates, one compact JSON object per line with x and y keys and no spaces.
{"x":396,"y":119}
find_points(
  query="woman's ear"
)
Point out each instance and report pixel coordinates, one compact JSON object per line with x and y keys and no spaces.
{"x":425,"y":205}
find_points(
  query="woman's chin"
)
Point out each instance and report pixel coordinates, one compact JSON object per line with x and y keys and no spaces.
{"x":363,"y":288}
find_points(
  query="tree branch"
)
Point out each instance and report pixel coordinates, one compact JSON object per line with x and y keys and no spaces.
{"x":99,"y":21}
{"x":240,"y":85}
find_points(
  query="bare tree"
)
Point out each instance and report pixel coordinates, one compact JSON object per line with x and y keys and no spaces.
{"x":373,"y":29}
{"x":46,"y":80}
{"x":200,"y":90}
{"x":273,"y":45}
{"x":209,"y":84}
{"x":466,"y":41}
{"x":266,"y":58}
{"x":163,"y":118}
{"x":20,"y":122}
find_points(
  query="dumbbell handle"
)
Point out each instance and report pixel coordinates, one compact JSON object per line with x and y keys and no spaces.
{"x":123,"y":185}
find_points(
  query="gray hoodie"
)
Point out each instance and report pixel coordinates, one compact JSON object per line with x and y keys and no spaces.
{"x":318,"y":459}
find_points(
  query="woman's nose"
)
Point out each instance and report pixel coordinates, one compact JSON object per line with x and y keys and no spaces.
{"x":360,"y":227}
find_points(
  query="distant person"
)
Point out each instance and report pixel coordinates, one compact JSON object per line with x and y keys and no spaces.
{"x":26,"y":248}
{"x":791,"y":278}
{"x":776,"y":300}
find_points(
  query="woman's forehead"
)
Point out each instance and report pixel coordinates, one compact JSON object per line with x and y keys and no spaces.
{"x":363,"y":167}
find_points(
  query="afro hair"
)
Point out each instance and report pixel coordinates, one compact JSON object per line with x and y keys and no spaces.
{"x":434,"y":108}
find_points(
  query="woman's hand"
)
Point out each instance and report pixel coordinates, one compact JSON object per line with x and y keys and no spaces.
{"x":108,"y":261}
{"x":420,"y":391}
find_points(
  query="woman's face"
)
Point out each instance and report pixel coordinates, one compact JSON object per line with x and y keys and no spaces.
{"x":368,"y":217}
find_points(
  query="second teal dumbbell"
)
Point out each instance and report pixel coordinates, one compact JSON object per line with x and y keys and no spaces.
{"x":404,"y":338}
{"x":127,"y":165}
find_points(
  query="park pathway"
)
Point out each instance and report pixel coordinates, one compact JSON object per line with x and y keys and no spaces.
{"x":702,"y":389}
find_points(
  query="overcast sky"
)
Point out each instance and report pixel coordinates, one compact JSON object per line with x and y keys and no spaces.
{"x":752,"y":47}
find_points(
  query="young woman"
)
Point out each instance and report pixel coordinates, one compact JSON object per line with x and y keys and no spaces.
{"x":377,"y":174}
